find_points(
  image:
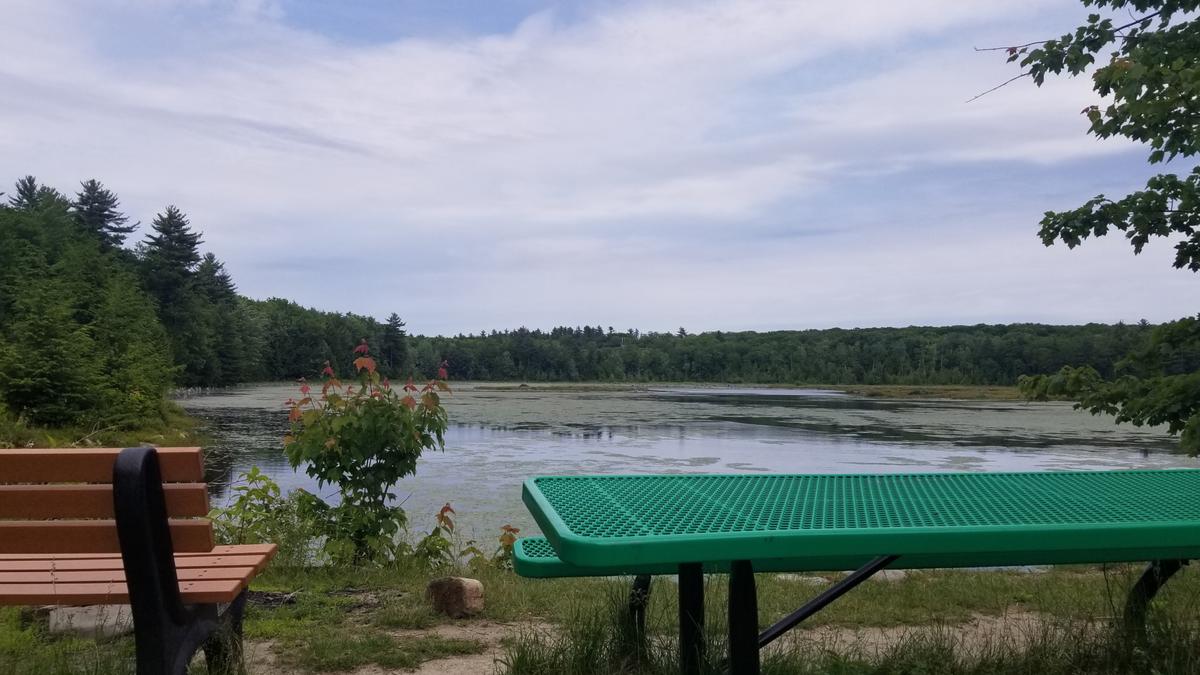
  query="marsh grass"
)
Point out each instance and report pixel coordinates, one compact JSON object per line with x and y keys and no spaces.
{"x":175,"y":428}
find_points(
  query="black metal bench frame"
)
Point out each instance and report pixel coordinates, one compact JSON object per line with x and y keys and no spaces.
{"x":167,"y":633}
{"x":745,"y":641}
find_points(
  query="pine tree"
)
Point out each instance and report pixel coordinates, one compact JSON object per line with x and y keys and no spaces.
{"x":170,"y":256}
{"x":213,"y":281}
{"x":96,"y":210}
{"x":169,"y":260}
{"x":26,"y":196}
{"x":394,"y":350}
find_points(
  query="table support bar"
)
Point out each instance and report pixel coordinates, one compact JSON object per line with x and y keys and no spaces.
{"x":824,"y":599}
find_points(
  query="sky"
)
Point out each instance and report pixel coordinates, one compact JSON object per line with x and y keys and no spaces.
{"x":478,"y":165}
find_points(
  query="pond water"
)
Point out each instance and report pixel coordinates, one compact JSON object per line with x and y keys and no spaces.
{"x":501,"y":434}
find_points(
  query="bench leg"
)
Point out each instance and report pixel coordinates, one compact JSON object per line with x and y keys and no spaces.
{"x":743,"y":620}
{"x":223,"y":651}
{"x":691,"y":618}
{"x":1155,"y":577}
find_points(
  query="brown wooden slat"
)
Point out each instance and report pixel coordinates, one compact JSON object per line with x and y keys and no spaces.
{"x":193,"y":592}
{"x":92,"y":536}
{"x":223,"y":549}
{"x":90,"y":465}
{"x":257,"y":561}
{"x":83,"y":500}
{"x":108,"y":576}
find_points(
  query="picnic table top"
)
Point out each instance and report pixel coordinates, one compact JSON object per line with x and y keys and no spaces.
{"x":930,"y":520}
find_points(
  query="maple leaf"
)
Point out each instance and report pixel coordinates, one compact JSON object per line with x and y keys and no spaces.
{"x":362,"y":348}
{"x":365,"y":362}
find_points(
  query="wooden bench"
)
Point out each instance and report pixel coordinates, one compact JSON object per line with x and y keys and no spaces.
{"x":742,"y":524}
{"x":106,"y":526}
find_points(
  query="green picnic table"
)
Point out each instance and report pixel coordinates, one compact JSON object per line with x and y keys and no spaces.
{"x":737,"y":524}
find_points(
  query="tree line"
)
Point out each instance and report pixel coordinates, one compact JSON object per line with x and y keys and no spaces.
{"x":984,"y":355}
{"x":96,"y":328}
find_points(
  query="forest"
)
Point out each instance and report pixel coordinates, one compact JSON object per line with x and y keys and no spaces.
{"x":97,"y":327}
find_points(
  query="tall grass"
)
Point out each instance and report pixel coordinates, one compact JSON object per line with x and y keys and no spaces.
{"x":592,"y":642}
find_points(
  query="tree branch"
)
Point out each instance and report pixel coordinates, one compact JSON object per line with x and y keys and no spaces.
{"x":1116,"y":30}
{"x":1002,"y":84}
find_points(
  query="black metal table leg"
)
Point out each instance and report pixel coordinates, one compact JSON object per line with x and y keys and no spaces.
{"x":639,"y":599}
{"x":743,"y":620}
{"x":1155,"y":577}
{"x":691,"y":618}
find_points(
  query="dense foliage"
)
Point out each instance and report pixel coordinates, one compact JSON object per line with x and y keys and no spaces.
{"x":1151,"y":82}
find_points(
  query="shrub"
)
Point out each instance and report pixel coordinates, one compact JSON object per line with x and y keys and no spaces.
{"x":363,"y":437}
{"x":259,"y":514}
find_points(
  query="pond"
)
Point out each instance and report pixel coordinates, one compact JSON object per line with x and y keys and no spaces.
{"x":502,"y":434}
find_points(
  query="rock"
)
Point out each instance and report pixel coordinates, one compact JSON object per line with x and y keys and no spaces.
{"x":456,"y":597}
{"x":890,"y":575}
{"x":95,"y":621}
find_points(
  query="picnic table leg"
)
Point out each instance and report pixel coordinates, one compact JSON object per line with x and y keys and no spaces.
{"x":691,"y":618}
{"x":743,"y":620}
{"x":1156,"y":575}
{"x":639,"y":599}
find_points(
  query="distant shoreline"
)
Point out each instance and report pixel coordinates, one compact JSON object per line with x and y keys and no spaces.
{"x":964,"y":392}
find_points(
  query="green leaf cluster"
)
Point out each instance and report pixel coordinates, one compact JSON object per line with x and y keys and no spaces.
{"x":1151,"y":80}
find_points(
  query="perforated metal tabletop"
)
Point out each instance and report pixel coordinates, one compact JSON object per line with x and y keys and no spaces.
{"x":838,"y":521}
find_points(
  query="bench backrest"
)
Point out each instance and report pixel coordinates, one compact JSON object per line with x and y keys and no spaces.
{"x":61,"y":500}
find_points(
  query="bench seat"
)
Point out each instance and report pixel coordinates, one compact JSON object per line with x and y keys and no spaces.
{"x":81,"y":579}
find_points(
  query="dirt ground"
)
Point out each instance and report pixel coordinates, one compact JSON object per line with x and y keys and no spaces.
{"x":979,"y":632}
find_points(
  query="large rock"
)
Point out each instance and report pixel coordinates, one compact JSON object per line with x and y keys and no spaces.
{"x":95,"y":621}
{"x":456,"y":597}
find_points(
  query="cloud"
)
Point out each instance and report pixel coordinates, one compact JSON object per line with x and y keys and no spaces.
{"x":640,"y":163}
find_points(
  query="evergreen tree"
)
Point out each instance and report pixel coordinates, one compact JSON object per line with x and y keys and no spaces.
{"x":169,"y":261}
{"x":26,"y":195}
{"x":96,"y":209}
{"x":48,"y":373}
{"x":170,"y":255}
{"x":213,"y":281}
{"x":394,"y":350}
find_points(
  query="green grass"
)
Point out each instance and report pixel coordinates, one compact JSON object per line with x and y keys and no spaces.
{"x":340,"y":619}
{"x":1074,"y":631}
